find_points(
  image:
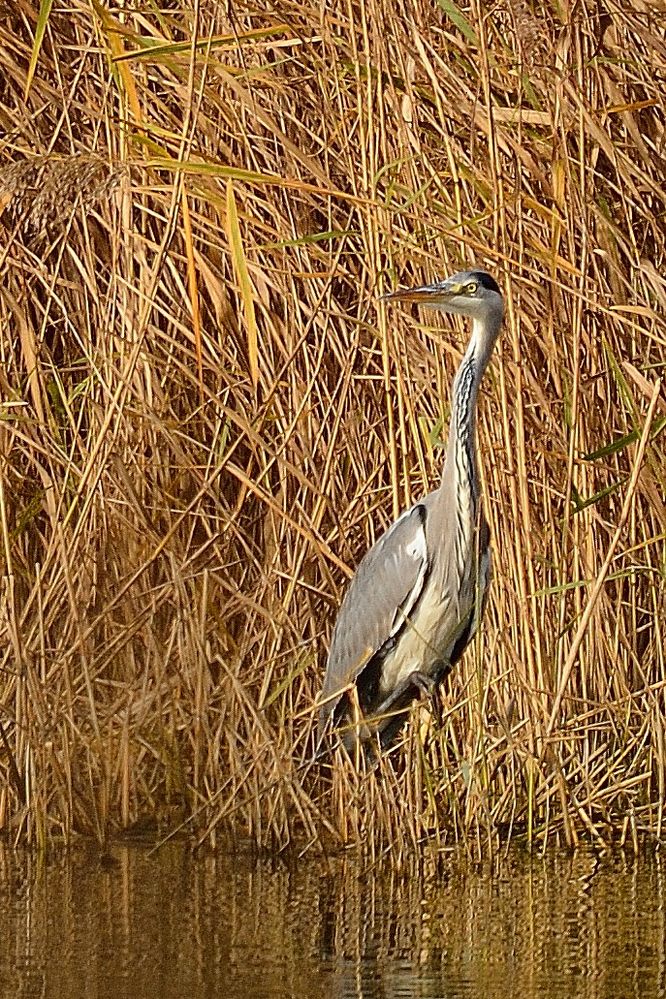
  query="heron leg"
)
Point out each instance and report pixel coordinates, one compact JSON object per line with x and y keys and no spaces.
{"x":391,"y":713}
{"x":416,"y":684}
{"x":403,"y":695}
{"x":424,"y":682}
{"x":384,"y":720}
{"x":441,"y":671}
{"x":428,"y":684}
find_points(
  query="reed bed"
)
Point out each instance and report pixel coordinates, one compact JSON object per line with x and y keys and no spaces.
{"x":206,"y":415}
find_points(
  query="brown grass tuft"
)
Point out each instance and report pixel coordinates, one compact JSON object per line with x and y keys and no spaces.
{"x":206,"y":417}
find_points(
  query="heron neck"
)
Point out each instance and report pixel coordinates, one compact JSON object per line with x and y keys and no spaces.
{"x":461,"y":451}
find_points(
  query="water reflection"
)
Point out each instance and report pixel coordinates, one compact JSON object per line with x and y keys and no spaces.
{"x":183,"y":925}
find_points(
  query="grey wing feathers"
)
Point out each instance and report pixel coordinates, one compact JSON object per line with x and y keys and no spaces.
{"x":387,"y":584}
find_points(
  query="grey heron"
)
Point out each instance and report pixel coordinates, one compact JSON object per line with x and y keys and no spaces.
{"x":417,"y":596}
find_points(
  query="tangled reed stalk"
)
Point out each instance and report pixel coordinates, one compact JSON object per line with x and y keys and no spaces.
{"x":206,"y":416}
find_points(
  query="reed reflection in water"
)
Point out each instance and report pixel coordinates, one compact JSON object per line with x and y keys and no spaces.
{"x":189,"y":925}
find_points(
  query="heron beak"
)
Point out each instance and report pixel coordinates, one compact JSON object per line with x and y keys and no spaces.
{"x":431,"y":294}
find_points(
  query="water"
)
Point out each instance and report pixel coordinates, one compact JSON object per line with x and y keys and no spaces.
{"x":178,"y":925}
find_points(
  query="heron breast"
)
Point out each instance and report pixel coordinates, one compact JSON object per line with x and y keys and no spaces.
{"x":426,"y":638}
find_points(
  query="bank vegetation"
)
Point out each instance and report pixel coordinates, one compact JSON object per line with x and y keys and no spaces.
{"x":206,"y":415}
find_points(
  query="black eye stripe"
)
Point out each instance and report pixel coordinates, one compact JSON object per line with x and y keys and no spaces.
{"x":485,"y":280}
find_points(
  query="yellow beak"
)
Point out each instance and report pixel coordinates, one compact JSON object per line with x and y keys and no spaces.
{"x":429,"y":294}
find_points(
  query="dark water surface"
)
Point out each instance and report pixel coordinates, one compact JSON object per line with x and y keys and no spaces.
{"x":182,"y":925}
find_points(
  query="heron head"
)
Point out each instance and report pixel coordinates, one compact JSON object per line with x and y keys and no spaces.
{"x":468,"y":293}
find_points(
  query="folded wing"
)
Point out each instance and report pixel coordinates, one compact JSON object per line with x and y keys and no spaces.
{"x":383,"y":593}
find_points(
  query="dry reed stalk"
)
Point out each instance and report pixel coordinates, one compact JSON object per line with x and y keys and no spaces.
{"x":205,"y":418}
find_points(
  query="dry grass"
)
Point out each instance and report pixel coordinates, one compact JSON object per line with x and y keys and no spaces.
{"x":205,"y":415}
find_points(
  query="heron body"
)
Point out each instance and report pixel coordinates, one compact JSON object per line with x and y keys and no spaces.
{"x":417,"y":596}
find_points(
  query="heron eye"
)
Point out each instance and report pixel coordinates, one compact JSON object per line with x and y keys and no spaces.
{"x":471,"y":288}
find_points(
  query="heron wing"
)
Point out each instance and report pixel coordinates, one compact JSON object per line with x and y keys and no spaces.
{"x":380,"y":597}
